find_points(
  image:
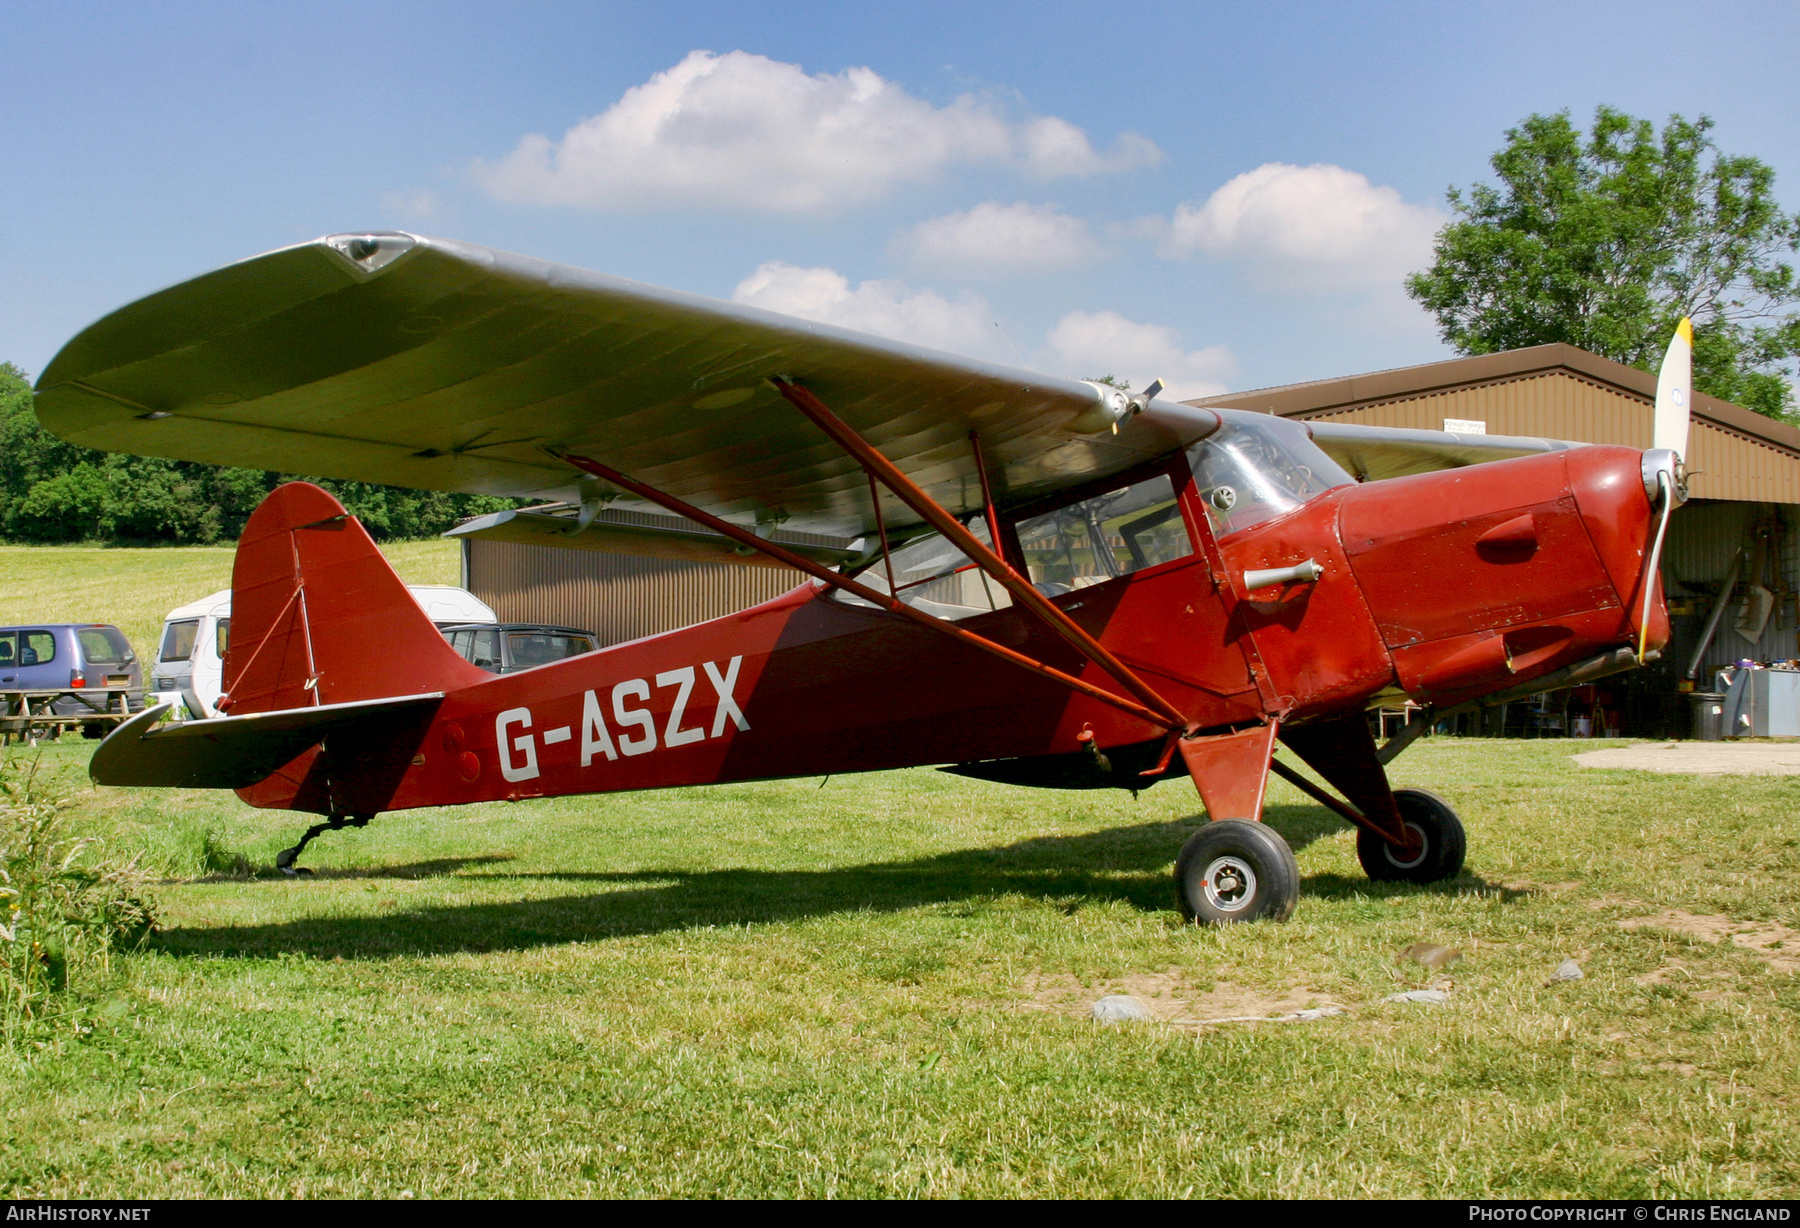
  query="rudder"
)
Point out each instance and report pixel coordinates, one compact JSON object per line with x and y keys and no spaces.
{"x":319,"y":617}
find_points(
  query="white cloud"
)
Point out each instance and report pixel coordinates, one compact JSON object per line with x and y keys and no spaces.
{"x":414,"y":205}
{"x":746,"y":132}
{"x":1082,"y":345}
{"x":1052,"y":148}
{"x":963,"y":325}
{"x":993,"y":238}
{"x":1087,"y":345}
{"x":1308,"y":228}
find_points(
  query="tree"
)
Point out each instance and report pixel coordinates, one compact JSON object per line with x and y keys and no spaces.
{"x":1605,"y":240}
{"x":54,"y":491}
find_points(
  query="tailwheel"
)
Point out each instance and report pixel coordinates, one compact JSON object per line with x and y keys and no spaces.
{"x":1443,"y":843}
{"x":1236,"y":870}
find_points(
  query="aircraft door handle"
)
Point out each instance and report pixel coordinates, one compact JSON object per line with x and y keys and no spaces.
{"x":1301,"y":573}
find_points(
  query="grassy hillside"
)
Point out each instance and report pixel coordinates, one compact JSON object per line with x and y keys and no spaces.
{"x":134,"y":588}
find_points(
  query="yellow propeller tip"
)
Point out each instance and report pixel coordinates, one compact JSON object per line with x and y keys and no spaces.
{"x":1685,"y":330}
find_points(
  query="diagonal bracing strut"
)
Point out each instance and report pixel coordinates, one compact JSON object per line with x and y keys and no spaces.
{"x":885,"y":601}
{"x":958,"y":535}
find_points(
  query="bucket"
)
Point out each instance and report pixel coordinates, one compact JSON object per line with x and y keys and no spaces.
{"x":1709,"y":716}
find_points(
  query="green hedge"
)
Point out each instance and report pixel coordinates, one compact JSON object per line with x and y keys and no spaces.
{"x":52,"y":491}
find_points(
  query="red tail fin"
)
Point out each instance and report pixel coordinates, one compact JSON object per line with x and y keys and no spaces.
{"x":318,"y":616}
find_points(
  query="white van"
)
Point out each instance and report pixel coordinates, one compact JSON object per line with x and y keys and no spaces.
{"x":190,"y":659}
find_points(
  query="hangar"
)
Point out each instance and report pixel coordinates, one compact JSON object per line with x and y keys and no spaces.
{"x":1738,"y":529}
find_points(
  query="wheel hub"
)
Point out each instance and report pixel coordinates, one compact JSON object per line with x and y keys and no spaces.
{"x":1229,"y":884}
{"x":1421,"y":846}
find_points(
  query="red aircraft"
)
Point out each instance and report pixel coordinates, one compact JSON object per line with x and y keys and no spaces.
{"x":1032,"y":580}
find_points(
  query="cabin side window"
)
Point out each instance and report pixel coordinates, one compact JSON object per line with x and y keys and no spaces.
{"x":1106,"y":536}
{"x":527,"y":649}
{"x":933,"y":576}
{"x":484,"y":649}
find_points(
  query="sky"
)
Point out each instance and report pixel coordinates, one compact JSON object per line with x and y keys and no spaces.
{"x":1223,"y":196}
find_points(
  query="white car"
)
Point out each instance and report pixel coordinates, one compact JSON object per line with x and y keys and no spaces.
{"x":190,"y":658}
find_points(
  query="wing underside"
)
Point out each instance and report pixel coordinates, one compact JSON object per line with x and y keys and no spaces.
{"x":428,"y":363}
{"x":1371,"y":453}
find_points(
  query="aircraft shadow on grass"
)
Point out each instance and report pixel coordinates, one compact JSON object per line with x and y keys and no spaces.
{"x":1128,"y":865}
{"x":414,"y":869}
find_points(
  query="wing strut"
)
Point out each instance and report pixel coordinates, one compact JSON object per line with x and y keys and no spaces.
{"x":885,"y":601}
{"x":958,"y":535}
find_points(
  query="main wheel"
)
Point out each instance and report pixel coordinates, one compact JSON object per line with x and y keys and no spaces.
{"x":1445,"y":843}
{"x":1236,"y":870}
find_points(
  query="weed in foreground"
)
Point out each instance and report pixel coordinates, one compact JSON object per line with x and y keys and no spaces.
{"x":66,"y":909}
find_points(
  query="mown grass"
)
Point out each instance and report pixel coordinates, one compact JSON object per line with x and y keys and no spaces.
{"x":133,"y":588}
{"x":874,"y":987}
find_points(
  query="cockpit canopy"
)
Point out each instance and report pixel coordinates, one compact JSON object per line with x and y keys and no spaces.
{"x":1256,"y":467}
{"x":1252,"y":468}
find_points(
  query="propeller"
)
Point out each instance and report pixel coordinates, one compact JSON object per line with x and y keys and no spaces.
{"x":1674,"y":388}
{"x":1664,"y":477}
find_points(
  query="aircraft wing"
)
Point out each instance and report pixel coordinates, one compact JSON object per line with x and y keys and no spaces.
{"x":644,"y":534}
{"x":1371,"y":453}
{"x":428,"y":363}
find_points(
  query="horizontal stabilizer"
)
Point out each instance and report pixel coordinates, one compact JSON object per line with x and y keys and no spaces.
{"x":231,"y":752}
{"x":1374,"y":452}
{"x":645,"y":534}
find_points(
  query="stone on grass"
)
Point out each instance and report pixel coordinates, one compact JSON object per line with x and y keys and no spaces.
{"x":1430,"y":997}
{"x":1121,"y":1008}
{"x":1433,"y":955}
{"x":1568,"y":970}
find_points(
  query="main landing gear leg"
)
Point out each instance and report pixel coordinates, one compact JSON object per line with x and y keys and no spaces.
{"x":1234,"y":868}
{"x":284,"y":860}
{"x":1402,"y":835}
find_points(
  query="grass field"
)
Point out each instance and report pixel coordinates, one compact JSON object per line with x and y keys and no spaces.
{"x":878,"y":987}
{"x":134,"y":588}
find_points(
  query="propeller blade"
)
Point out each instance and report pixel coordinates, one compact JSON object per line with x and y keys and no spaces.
{"x":1674,"y":389}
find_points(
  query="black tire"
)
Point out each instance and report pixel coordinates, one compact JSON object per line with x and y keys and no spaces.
{"x":1446,"y":844}
{"x":1235,"y":870}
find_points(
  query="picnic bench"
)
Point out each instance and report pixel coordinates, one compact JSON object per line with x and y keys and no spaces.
{"x":27,"y":715}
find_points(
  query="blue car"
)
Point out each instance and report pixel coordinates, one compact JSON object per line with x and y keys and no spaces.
{"x":90,"y":661}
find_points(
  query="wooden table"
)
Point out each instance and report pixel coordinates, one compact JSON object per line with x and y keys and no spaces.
{"x":29,"y":714}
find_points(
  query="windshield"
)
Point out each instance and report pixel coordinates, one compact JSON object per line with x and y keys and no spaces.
{"x":1255,"y":467}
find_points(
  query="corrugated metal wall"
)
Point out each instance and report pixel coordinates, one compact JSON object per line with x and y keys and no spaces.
{"x":1558,"y":405}
{"x":619,"y":597}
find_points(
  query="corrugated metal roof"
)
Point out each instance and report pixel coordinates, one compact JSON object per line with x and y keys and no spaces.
{"x":1555,"y":392}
